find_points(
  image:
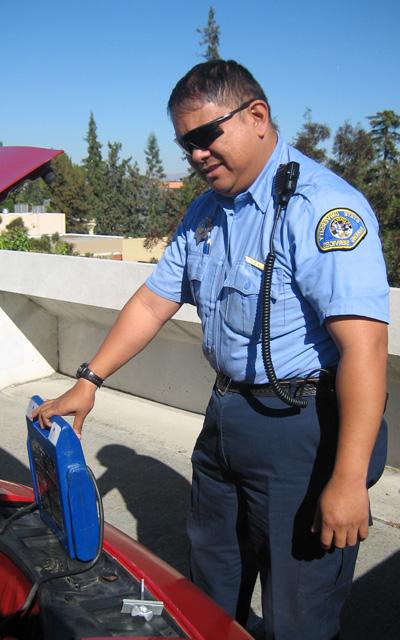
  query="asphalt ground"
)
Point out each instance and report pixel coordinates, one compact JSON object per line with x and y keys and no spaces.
{"x":140,"y":453}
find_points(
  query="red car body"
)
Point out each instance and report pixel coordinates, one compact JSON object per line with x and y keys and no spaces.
{"x":195,"y":613}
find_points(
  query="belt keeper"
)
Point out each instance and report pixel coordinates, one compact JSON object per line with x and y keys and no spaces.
{"x":225,"y":389}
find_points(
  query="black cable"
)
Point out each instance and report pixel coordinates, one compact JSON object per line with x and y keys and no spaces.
{"x":86,"y":566}
{"x":285,"y":185}
{"x":266,"y":338}
{"x":18,"y":514}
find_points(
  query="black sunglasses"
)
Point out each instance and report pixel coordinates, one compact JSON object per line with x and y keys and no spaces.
{"x":202,"y":137}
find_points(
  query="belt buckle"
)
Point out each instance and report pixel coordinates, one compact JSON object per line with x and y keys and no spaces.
{"x":225,"y":387}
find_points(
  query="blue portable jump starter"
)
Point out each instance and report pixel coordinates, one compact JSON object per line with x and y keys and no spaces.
{"x":63,"y":487}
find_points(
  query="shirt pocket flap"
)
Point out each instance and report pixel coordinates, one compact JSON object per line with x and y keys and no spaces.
{"x":246,"y":280}
{"x":196,"y":265}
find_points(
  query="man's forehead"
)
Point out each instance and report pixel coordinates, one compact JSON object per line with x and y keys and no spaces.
{"x":205,"y":110}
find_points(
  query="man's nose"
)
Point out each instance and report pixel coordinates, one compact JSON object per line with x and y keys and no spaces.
{"x":200,"y":155}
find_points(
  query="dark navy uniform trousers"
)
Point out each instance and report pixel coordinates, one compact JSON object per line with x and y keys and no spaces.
{"x":259,"y":467}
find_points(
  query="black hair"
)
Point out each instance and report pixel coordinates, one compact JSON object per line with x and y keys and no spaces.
{"x":220,"y":81}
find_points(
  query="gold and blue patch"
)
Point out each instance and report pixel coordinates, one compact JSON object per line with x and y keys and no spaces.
{"x":340,"y":230}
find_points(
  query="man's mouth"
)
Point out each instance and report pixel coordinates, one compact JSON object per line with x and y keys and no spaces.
{"x":208,"y":171}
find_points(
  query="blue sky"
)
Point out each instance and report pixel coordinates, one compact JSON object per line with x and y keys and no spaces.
{"x":121,"y":58}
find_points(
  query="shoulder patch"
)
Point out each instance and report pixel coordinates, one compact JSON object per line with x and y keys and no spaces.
{"x":339,"y":229}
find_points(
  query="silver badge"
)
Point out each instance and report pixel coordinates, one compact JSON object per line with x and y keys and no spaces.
{"x":203,"y":230}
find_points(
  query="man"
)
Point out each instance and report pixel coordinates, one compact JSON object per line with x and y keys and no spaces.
{"x":276,"y":488}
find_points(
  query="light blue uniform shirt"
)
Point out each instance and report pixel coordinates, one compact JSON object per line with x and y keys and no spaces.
{"x":215,"y":262}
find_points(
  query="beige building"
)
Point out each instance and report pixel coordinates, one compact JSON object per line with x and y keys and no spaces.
{"x":98,"y":246}
{"x":38,"y":224}
{"x":114,"y":247}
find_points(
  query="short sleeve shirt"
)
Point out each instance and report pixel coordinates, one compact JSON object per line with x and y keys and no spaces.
{"x":328,"y":263}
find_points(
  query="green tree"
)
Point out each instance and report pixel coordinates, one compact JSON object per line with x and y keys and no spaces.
{"x":175,"y":204}
{"x":70,"y":194}
{"x":310,"y":136}
{"x":119,"y":213}
{"x":94,"y":167}
{"x":135,"y":190}
{"x":156,"y":198}
{"x":155,"y":169}
{"x":353,"y":154}
{"x":15,"y":237}
{"x":210,"y":37}
{"x":33,"y":192}
{"x":385,"y":133}
{"x":383,"y":186}
{"x":16,"y":225}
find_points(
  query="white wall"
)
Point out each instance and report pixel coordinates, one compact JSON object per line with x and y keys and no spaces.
{"x":28,"y":339}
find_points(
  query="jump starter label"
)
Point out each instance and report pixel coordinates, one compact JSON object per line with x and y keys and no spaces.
{"x":63,"y":487}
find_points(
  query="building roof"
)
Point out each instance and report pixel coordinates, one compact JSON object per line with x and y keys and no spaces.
{"x":22,"y":163}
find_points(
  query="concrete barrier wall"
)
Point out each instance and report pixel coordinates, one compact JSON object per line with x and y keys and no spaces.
{"x":56,"y":310}
{"x":28,"y":338}
{"x":82,"y":297}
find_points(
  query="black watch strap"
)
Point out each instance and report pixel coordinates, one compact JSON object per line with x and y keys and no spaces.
{"x":88,"y":374}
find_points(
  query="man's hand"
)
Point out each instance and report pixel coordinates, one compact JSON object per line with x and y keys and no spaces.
{"x":76,"y":402}
{"x":343,"y":514}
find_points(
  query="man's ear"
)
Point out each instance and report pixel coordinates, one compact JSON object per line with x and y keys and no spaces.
{"x":259,"y":113}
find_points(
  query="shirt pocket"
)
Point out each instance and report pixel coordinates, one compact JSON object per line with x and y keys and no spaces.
{"x":200,"y":280}
{"x":244,"y":299}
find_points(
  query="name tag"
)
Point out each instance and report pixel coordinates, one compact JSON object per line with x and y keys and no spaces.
{"x":255,"y":263}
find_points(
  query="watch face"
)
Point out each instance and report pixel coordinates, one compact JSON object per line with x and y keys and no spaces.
{"x":85,"y":372}
{"x":81,"y":369}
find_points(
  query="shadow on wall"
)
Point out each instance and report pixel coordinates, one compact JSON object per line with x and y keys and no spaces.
{"x":372,"y":611}
{"x":156,"y":495}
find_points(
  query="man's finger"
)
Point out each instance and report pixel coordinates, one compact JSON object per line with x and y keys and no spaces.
{"x":352,"y":537}
{"x":77,"y":426}
{"x":326,"y":537}
{"x":363,"y":532}
{"x":44,"y":421}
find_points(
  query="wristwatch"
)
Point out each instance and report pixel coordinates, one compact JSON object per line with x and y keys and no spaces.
{"x":85,"y":372}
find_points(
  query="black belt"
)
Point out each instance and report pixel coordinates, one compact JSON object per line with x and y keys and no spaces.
{"x":296,"y":386}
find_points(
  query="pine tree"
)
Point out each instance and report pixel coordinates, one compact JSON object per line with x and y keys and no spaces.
{"x":119,"y":210}
{"x":210,"y":37}
{"x":155,"y":169}
{"x":155,"y":197}
{"x":310,"y":137}
{"x":70,"y":194}
{"x":353,"y":154}
{"x":94,"y":167}
{"x":385,"y":133}
{"x":135,"y":187}
{"x":383,"y":190}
